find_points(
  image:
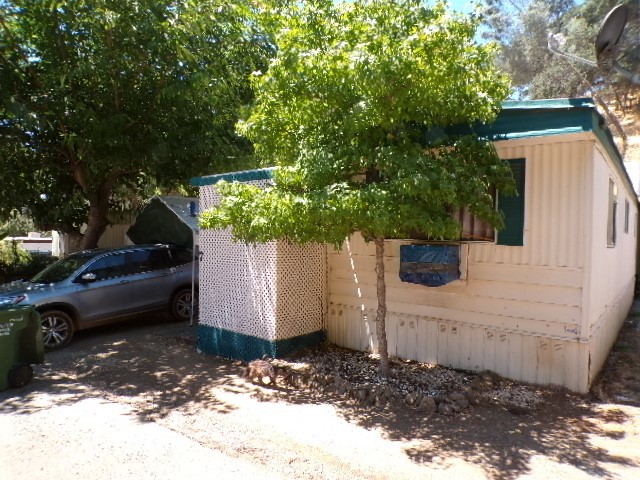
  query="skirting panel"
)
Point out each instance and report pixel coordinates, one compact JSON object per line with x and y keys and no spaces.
{"x":238,"y":346}
{"x":519,"y":356}
{"x":604,"y":332}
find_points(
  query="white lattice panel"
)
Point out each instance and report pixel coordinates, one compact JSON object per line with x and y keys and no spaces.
{"x":301,"y":287}
{"x":271,"y":291}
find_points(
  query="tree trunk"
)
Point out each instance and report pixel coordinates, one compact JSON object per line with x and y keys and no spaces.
{"x":381,"y":331}
{"x":97,"y":221}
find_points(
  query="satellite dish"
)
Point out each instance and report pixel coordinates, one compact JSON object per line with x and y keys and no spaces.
{"x":606,"y":43}
{"x":610,"y":32}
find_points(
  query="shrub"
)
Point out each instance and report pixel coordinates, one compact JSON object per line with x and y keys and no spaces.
{"x":16,"y":263}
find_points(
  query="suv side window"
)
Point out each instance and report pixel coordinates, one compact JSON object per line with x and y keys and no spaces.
{"x":109,"y":266}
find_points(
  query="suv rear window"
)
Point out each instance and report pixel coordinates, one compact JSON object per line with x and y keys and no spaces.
{"x":180,"y":256}
{"x":140,"y":261}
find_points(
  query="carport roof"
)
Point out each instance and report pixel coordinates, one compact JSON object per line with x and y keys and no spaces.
{"x":166,"y":219}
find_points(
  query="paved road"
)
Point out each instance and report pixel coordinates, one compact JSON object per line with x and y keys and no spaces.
{"x":97,"y":439}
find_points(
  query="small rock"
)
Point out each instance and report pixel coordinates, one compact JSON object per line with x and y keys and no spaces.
{"x":440,"y":399}
{"x":445,"y":408}
{"x":518,"y":410}
{"x":459,"y":401}
{"x":412,"y":398}
{"x":456,"y":396}
{"x":380,"y":399}
{"x":362,"y":394}
{"x":427,"y":405}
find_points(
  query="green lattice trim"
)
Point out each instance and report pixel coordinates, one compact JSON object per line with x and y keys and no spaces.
{"x":237,"y":346}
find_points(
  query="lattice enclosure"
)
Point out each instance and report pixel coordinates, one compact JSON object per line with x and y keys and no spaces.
{"x":301,"y":289}
{"x":271,"y":291}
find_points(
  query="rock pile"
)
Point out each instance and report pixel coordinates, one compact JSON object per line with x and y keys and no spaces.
{"x":421,"y":387}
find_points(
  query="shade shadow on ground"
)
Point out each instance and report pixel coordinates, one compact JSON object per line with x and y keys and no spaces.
{"x":157,"y":370}
{"x":501,"y":443}
{"x":561,"y":428}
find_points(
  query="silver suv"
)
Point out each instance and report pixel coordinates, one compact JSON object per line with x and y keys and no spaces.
{"x":96,"y":287}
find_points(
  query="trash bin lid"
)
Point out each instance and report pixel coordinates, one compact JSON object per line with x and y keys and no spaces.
{"x":11,"y":306}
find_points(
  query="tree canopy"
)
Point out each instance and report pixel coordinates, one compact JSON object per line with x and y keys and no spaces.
{"x":101,"y":96}
{"x":353,"y":112}
{"x":18,"y":225}
{"x":522,"y":29}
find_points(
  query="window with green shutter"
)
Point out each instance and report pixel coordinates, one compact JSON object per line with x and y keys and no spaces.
{"x":513,"y":208}
{"x":473,"y":229}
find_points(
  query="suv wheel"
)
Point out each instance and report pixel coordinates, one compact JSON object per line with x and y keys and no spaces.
{"x":57,"y":329}
{"x":181,"y":305}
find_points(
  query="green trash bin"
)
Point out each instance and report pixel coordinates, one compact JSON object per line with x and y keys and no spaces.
{"x":21,"y":345}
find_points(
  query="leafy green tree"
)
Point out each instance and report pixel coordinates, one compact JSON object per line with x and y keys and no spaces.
{"x":522,"y":29}
{"x":98,"y":95}
{"x":18,"y":225}
{"x":611,"y":86}
{"x":352,"y":113}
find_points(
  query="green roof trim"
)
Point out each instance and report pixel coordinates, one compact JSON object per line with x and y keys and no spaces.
{"x":544,"y":118}
{"x":535,"y":118}
{"x":584,"y":102}
{"x":243,"y":176}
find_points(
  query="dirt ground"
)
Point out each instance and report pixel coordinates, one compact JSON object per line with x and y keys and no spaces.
{"x":138,"y":401}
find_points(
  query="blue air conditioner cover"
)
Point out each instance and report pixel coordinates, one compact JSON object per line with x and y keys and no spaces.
{"x":430,"y":265}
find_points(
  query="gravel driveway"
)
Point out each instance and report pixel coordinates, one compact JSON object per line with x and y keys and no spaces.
{"x":138,"y":401}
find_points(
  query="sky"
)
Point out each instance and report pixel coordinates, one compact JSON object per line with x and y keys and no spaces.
{"x":466,"y":6}
{"x":462,"y":6}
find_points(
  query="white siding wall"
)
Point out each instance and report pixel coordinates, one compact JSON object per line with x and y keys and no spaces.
{"x":609,"y":288}
{"x":555,"y":195}
{"x":518,"y":311}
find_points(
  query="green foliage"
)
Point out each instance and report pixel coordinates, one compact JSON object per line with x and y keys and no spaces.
{"x":16,"y":263}
{"x":18,"y":225}
{"x":353,"y":113}
{"x":522,"y":29}
{"x":96,"y":93}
